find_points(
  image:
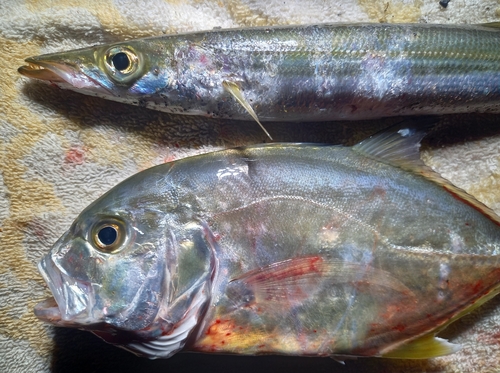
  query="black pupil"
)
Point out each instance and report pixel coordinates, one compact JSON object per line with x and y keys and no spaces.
{"x":107,"y":235}
{"x":121,"y":61}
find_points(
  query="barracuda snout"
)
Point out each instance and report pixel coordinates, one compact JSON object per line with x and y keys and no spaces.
{"x":65,"y":74}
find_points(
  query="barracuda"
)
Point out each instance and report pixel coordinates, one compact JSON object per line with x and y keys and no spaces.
{"x":282,"y":249}
{"x":301,"y":73}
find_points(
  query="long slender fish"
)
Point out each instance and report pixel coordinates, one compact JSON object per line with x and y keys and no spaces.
{"x":283,"y":249}
{"x":301,"y":73}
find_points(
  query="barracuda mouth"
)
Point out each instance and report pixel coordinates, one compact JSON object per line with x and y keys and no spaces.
{"x":60,"y":73}
{"x":39,"y":72}
{"x":72,"y":301}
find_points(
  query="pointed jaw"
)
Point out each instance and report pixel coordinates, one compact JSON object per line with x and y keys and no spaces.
{"x":38,"y":71}
{"x":63,"y":74}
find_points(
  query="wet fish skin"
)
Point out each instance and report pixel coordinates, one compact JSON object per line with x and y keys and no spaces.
{"x":286,"y":249}
{"x":293,"y":73}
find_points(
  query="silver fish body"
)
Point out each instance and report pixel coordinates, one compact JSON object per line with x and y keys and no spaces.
{"x":284,"y":249}
{"x":298,"y":73}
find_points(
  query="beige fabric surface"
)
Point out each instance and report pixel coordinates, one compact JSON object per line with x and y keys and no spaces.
{"x":60,"y":150}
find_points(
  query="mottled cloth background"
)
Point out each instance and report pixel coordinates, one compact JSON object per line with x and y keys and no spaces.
{"x":59,"y":151}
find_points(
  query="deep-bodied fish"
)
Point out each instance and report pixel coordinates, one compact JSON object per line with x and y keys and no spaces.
{"x":300,"y":73}
{"x":282,"y":249}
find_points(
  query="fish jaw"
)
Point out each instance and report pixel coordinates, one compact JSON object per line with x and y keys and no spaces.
{"x":71,"y":305}
{"x":62,"y":73}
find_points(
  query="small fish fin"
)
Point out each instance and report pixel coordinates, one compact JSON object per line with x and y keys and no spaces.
{"x":236,"y":92}
{"x":425,"y":347}
{"x":401,"y":148}
{"x":339,"y":360}
{"x":294,"y":280}
{"x":491,"y":24}
{"x":397,"y":147}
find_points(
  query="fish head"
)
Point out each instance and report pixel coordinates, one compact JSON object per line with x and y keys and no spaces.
{"x":134,"y":268}
{"x":121,"y":72}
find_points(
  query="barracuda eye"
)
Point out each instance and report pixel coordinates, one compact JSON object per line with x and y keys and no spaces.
{"x":121,"y":61}
{"x":109,"y":235}
{"x":123,"y":65}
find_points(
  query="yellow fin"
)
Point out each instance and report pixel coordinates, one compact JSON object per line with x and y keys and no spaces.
{"x":425,"y":347}
{"x":491,"y":24}
{"x":235,"y":91}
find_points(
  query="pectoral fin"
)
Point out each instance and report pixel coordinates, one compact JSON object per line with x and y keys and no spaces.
{"x":236,"y":92}
{"x":294,"y":280}
{"x":425,"y":347}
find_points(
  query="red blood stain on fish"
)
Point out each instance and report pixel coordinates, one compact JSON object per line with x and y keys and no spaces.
{"x":399,"y":327}
{"x":204,"y":59}
{"x":220,"y":333}
{"x":220,"y":328}
{"x":476,"y":288}
{"x":293,"y":269}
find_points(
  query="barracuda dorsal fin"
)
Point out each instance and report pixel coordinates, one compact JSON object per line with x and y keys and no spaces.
{"x":425,"y":347}
{"x":401,"y":148}
{"x":236,"y":92}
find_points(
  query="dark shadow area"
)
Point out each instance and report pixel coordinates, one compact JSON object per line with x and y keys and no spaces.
{"x":81,"y":352}
{"x":462,"y":128}
{"x":194,"y":131}
{"x":187,"y":130}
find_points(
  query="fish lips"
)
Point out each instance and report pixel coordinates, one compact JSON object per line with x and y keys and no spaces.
{"x":72,"y":301}
{"x":63,"y":74}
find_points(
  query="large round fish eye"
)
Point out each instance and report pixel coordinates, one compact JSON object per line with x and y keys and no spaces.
{"x":109,"y":235}
{"x":122,"y":64}
{"x":121,"y":61}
